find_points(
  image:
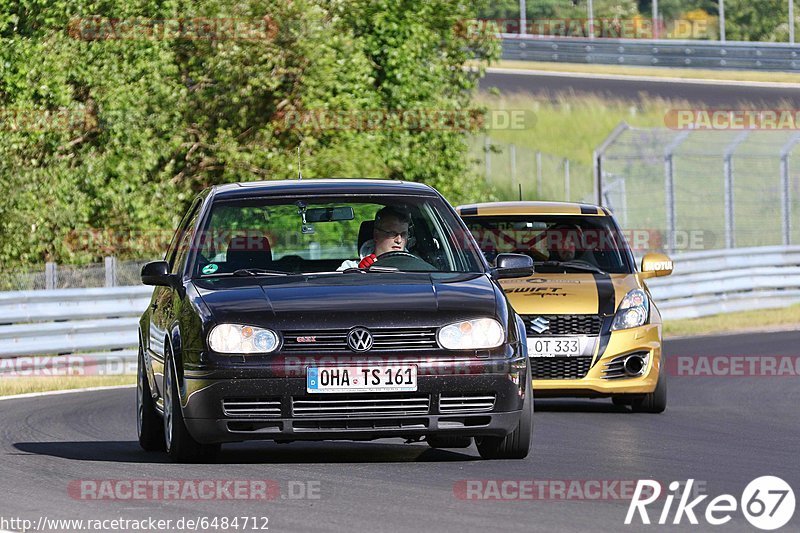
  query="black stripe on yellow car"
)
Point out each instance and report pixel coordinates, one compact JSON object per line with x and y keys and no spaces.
{"x":468,"y":211}
{"x":606,"y":307}
{"x":589,"y":210}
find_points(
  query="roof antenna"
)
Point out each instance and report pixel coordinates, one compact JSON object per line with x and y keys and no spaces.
{"x":299,"y":170}
{"x":520,"y":191}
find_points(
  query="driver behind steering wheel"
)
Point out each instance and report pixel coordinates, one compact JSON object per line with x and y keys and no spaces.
{"x":389,"y":234}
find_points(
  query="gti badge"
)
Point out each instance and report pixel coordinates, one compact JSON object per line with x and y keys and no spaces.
{"x":359,"y":339}
{"x":540,"y":324}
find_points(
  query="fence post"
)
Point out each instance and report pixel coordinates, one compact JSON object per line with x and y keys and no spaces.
{"x":727,"y":166}
{"x":786,"y":193}
{"x":522,"y":15}
{"x":487,"y":159}
{"x":597,"y":161}
{"x":513,"y":155}
{"x":539,"y":175}
{"x":50,"y":279}
{"x":669,"y":188}
{"x":111,"y":271}
{"x":567,"y":194}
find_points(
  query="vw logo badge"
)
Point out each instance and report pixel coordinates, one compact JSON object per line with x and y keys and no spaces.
{"x":359,"y":339}
{"x":540,"y":324}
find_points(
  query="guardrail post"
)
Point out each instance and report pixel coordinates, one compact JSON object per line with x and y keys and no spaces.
{"x":50,"y":276}
{"x":522,"y":15}
{"x":669,"y":188}
{"x":722,"y":20}
{"x":791,"y":21}
{"x":786,"y":193}
{"x":597,"y":161}
{"x":111,"y":271}
{"x":567,"y":194}
{"x":730,"y":237}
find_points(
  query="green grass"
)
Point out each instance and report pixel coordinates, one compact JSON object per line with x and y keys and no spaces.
{"x":23,"y":385}
{"x":656,"y":72}
{"x":745,"y":321}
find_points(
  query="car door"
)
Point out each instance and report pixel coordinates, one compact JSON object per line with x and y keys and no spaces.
{"x":162,"y":304}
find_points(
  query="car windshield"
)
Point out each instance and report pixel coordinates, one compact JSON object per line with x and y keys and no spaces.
{"x":557,"y":243}
{"x":279,"y":236}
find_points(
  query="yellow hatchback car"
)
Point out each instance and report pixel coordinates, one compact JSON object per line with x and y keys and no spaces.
{"x":593,"y":329}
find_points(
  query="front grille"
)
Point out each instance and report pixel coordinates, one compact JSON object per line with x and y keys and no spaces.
{"x":341,"y":405}
{"x":384,"y":339}
{"x":466,"y":404}
{"x":565,"y":324}
{"x":420,"y":424}
{"x":560,"y":367}
{"x":252,"y":407}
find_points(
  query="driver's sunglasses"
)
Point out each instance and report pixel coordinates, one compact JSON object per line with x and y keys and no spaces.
{"x":393,"y":234}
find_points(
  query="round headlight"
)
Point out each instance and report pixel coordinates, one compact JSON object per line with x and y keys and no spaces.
{"x":475,"y":334}
{"x":237,"y":338}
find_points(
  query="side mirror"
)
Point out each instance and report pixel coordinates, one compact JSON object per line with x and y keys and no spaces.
{"x":656,"y":265}
{"x":513,"y":266}
{"x":157,"y":273}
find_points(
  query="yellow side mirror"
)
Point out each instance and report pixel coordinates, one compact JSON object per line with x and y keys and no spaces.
{"x":656,"y":265}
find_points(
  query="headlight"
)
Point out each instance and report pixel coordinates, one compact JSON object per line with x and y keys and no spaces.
{"x":472,"y":335}
{"x":236,"y":338}
{"x":633,"y":311}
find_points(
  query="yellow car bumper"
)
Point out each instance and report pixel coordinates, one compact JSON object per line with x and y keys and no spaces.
{"x":642,"y":339}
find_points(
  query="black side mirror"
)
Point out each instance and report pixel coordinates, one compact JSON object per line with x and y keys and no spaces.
{"x":513,"y":266}
{"x":157,"y":273}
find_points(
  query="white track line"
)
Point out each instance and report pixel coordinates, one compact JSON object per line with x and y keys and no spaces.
{"x":67,"y":391}
{"x":623,"y":77}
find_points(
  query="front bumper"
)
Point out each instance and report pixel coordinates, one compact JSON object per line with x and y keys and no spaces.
{"x":430,"y":410}
{"x":645,"y":339}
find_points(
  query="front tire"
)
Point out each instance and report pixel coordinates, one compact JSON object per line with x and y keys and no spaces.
{"x":149,"y":426}
{"x":517,"y":444}
{"x":180,"y":445}
{"x":656,"y":401}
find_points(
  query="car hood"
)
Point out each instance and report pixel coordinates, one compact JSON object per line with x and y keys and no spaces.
{"x":579,"y":294}
{"x":345,"y":300}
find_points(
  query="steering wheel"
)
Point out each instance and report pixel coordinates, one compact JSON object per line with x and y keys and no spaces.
{"x":404,"y":261}
{"x":397,"y":253}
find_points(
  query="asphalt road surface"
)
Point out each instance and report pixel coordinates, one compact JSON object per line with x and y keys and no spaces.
{"x":552,"y":85}
{"x":721,"y":431}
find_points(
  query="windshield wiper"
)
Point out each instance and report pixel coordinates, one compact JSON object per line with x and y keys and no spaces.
{"x":258,"y":272}
{"x":570,"y":264}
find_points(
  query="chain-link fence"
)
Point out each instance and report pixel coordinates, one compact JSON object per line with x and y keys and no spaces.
{"x":703,"y":189}
{"x":523,"y":173}
{"x":110,"y":273}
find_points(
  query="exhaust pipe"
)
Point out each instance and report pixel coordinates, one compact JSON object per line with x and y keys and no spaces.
{"x":634,"y":365}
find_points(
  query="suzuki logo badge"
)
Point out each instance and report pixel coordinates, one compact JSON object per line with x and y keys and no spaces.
{"x":359,"y":339}
{"x":540,"y":324}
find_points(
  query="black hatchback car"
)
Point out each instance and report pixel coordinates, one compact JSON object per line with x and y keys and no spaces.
{"x":330,"y":309}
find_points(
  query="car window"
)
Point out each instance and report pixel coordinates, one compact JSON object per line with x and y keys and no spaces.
{"x":313,"y":235}
{"x":188,"y":221}
{"x":594,"y":241}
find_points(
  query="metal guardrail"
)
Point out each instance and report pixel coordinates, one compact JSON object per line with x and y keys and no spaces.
{"x":67,"y":321}
{"x":724,"y":281}
{"x":101,"y":324}
{"x":653,"y":52}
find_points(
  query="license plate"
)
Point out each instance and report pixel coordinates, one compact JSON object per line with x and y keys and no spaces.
{"x":390,"y":378}
{"x":556,"y":346}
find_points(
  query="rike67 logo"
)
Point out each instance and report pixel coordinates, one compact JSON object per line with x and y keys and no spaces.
{"x":767,"y":503}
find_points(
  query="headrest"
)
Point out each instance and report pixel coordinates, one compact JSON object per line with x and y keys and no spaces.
{"x":248,"y":251}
